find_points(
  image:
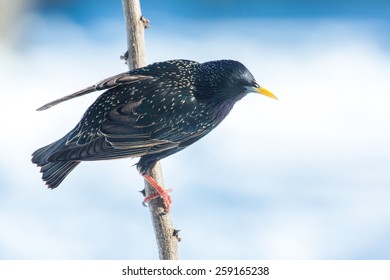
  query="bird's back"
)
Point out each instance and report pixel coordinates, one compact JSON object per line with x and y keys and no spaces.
{"x":151,"y":112}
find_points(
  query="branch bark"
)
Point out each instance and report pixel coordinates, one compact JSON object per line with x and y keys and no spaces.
{"x":166,"y":236}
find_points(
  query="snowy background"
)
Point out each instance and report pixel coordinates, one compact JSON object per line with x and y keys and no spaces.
{"x":307,"y":177}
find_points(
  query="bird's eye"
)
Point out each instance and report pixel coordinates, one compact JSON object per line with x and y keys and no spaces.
{"x":256,"y":85}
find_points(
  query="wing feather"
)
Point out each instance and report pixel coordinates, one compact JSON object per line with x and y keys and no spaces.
{"x":133,"y":128}
{"x":114,"y":81}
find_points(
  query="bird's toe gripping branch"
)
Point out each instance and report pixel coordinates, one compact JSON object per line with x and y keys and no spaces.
{"x":161,"y":192}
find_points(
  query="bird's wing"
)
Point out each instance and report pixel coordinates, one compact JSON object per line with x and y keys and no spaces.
{"x":137,"y":126}
{"x":124,"y":132}
{"x":129,"y":132}
{"x":128,"y":127}
{"x":114,"y":81}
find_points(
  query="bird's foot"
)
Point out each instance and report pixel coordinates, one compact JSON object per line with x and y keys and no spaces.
{"x":161,"y":192}
{"x":166,"y":197}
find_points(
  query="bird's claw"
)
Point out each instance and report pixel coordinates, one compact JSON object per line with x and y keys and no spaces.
{"x":165,"y":197}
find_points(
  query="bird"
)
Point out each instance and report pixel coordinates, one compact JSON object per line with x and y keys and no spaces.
{"x":148,"y":113}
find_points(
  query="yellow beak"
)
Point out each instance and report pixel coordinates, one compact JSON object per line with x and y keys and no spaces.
{"x":265,"y":92}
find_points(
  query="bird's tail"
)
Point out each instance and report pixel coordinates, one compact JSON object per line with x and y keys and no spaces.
{"x":53,"y":173}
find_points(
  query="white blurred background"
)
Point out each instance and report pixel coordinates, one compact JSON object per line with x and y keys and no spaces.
{"x":307,"y":177}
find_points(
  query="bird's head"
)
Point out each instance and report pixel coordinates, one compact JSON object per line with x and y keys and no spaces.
{"x":227,"y":80}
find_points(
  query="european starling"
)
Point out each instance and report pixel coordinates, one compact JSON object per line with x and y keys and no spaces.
{"x":151,"y":113}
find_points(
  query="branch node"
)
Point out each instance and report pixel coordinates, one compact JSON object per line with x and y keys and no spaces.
{"x":143,"y":192}
{"x":145,"y":22}
{"x":125,"y":56}
{"x":176,"y":234}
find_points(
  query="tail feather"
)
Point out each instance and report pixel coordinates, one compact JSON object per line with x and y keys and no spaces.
{"x":53,"y":173}
{"x":57,"y":171}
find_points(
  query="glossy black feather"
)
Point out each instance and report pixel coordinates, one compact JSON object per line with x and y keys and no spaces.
{"x":151,"y":113}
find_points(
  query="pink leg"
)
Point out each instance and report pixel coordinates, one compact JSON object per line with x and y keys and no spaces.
{"x":161,"y":192}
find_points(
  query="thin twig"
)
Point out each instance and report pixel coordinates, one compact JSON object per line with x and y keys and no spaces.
{"x":166,"y":235}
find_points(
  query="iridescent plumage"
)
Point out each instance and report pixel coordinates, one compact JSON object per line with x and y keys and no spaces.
{"x":151,"y":113}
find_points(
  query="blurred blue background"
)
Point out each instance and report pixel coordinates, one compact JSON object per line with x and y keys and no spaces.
{"x":307,"y":177}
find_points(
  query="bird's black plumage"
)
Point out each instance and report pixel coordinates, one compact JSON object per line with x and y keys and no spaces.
{"x":150,"y":112}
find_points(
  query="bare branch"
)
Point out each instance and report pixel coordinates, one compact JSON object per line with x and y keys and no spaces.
{"x":166,"y":235}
